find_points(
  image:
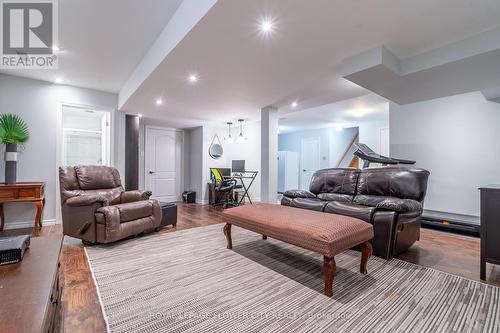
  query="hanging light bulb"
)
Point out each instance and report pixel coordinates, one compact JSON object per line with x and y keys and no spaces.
{"x":241,"y":138}
{"x":229,"y":138}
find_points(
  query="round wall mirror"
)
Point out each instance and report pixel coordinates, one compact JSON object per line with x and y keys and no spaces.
{"x":215,"y":151}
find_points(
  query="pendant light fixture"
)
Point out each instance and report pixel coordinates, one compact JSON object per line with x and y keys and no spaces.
{"x":241,"y":138}
{"x":229,"y":138}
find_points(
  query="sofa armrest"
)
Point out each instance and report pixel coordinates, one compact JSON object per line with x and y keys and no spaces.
{"x":87,"y":200}
{"x":400,"y":205}
{"x":299,"y":194}
{"x":110,"y":217}
{"x":131,"y":196}
{"x":384,"y":228}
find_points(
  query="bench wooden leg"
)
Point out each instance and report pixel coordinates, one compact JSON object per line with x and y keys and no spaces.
{"x":366,"y":252}
{"x":227,"y":232}
{"x":329,"y":268}
{"x":264,"y":237}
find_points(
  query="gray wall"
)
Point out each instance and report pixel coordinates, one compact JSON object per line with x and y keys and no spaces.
{"x":39,"y":104}
{"x":457,"y":139}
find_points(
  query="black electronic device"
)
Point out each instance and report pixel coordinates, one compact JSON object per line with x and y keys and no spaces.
{"x":12,"y":248}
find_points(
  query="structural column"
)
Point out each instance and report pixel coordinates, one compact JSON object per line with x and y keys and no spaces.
{"x":131,"y":152}
{"x":269,"y":154}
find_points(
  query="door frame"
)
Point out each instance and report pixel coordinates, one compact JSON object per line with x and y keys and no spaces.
{"x":59,"y":141}
{"x":146,"y":154}
{"x":380,"y":130}
{"x":302,"y":140}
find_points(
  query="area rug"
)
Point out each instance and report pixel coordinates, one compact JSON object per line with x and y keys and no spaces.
{"x":187,"y":281}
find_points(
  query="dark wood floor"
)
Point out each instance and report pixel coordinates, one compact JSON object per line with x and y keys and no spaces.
{"x":81,"y":311}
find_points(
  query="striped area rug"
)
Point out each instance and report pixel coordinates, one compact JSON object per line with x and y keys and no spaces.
{"x":187,"y":281}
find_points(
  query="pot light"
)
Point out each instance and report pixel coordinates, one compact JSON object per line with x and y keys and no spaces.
{"x":55,"y":48}
{"x":193,"y":78}
{"x":159,"y":101}
{"x":266,"y":26}
{"x":338,"y":128}
{"x":294,"y":104}
{"x":58,"y":80}
{"x":139,"y":115}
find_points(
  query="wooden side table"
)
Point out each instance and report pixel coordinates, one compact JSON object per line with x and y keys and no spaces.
{"x":23,"y":192}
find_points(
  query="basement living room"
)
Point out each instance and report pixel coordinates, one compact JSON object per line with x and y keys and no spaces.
{"x":250,"y":165}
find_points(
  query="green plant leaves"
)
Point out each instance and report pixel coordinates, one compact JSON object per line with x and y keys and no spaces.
{"x":13,"y":129}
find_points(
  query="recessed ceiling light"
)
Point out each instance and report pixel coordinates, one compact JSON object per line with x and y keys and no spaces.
{"x":266,"y":26}
{"x":55,"y":48}
{"x":338,"y":128}
{"x":294,"y":104}
{"x":159,"y":101}
{"x":58,"y":80}
{"x":193,"y":78}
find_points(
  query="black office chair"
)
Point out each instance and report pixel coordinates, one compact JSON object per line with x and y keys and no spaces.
{"x":224,"y":189}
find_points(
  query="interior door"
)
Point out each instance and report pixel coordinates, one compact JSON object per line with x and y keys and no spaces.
{"x":163,"y":163}
{"x":309,"y":161}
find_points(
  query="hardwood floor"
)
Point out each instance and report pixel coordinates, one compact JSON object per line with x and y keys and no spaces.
{"x":81,"y":311}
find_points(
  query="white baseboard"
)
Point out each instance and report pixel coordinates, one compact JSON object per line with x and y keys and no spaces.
{"x":26,"y":224}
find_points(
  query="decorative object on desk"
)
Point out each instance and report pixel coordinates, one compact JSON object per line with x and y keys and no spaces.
{"x":12,"y":248}
{"x":13,"y":132}
{"x":229,"y":138}
{"x":241,"y":137}
{"x":215,"y":150}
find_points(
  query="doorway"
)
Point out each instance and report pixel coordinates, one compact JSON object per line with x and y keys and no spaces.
{"x":309,"y":160}
{"x":163,"y":163}
{"x":85,"y":136}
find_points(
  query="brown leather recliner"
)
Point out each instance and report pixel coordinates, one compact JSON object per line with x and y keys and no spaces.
{"x":96,"y":209}
{"x":390,"y":198}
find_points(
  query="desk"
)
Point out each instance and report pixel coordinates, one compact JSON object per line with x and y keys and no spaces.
{"x":251,"y":175}
{"x":23,"y":192}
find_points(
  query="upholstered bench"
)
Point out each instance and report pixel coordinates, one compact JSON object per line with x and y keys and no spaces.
{"x":326,"y":234}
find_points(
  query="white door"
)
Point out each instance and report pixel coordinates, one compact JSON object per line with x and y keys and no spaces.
{"x":163,"y":163}
{"x":384,"y":142}
{"x":309,"y":160}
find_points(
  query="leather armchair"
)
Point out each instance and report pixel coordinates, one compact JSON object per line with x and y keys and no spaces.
{"x":96,"y":209}
{"x":390,"y":198}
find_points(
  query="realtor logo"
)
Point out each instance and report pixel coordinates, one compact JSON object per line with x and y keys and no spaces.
{"x":29,"y":32}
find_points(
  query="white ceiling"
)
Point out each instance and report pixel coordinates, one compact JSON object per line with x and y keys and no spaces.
{"x":346,"y":113}
{"x":102,"y":41}
{"x":240,"y":71}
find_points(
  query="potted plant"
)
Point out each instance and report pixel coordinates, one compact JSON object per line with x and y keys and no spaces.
{"x":13,"y":132}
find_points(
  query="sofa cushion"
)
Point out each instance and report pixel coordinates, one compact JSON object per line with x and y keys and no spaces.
{"x":404,"y":183}
{"x":93,"y":177}
{"x":127,"y":212}
{"x":364,"y":213}
{"x":298,"y":194}
{"x":338,"y":180}
{"x":309,"y":203}
{"x":389,"y":203}
{"x":335,"y":197}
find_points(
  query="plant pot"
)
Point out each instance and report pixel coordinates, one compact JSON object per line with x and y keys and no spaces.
{"x":10,"y":163}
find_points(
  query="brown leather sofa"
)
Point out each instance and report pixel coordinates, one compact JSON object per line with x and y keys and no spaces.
{"x":390,"y":198}
{"x":96,"y":209}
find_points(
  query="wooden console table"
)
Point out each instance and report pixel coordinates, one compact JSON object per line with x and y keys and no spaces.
{"x":23,"y":192}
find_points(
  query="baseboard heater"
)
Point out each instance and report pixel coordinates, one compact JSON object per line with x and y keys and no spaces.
{"x":452,"y":222}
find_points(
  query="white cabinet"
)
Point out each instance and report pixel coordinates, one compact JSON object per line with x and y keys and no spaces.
{"x":288,"y":171}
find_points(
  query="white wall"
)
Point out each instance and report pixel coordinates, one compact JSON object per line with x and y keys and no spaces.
{"x":39,"y":104}
{"x":457,"y":139}
{"x":369,"y":133}
{"x":200,"y":161}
